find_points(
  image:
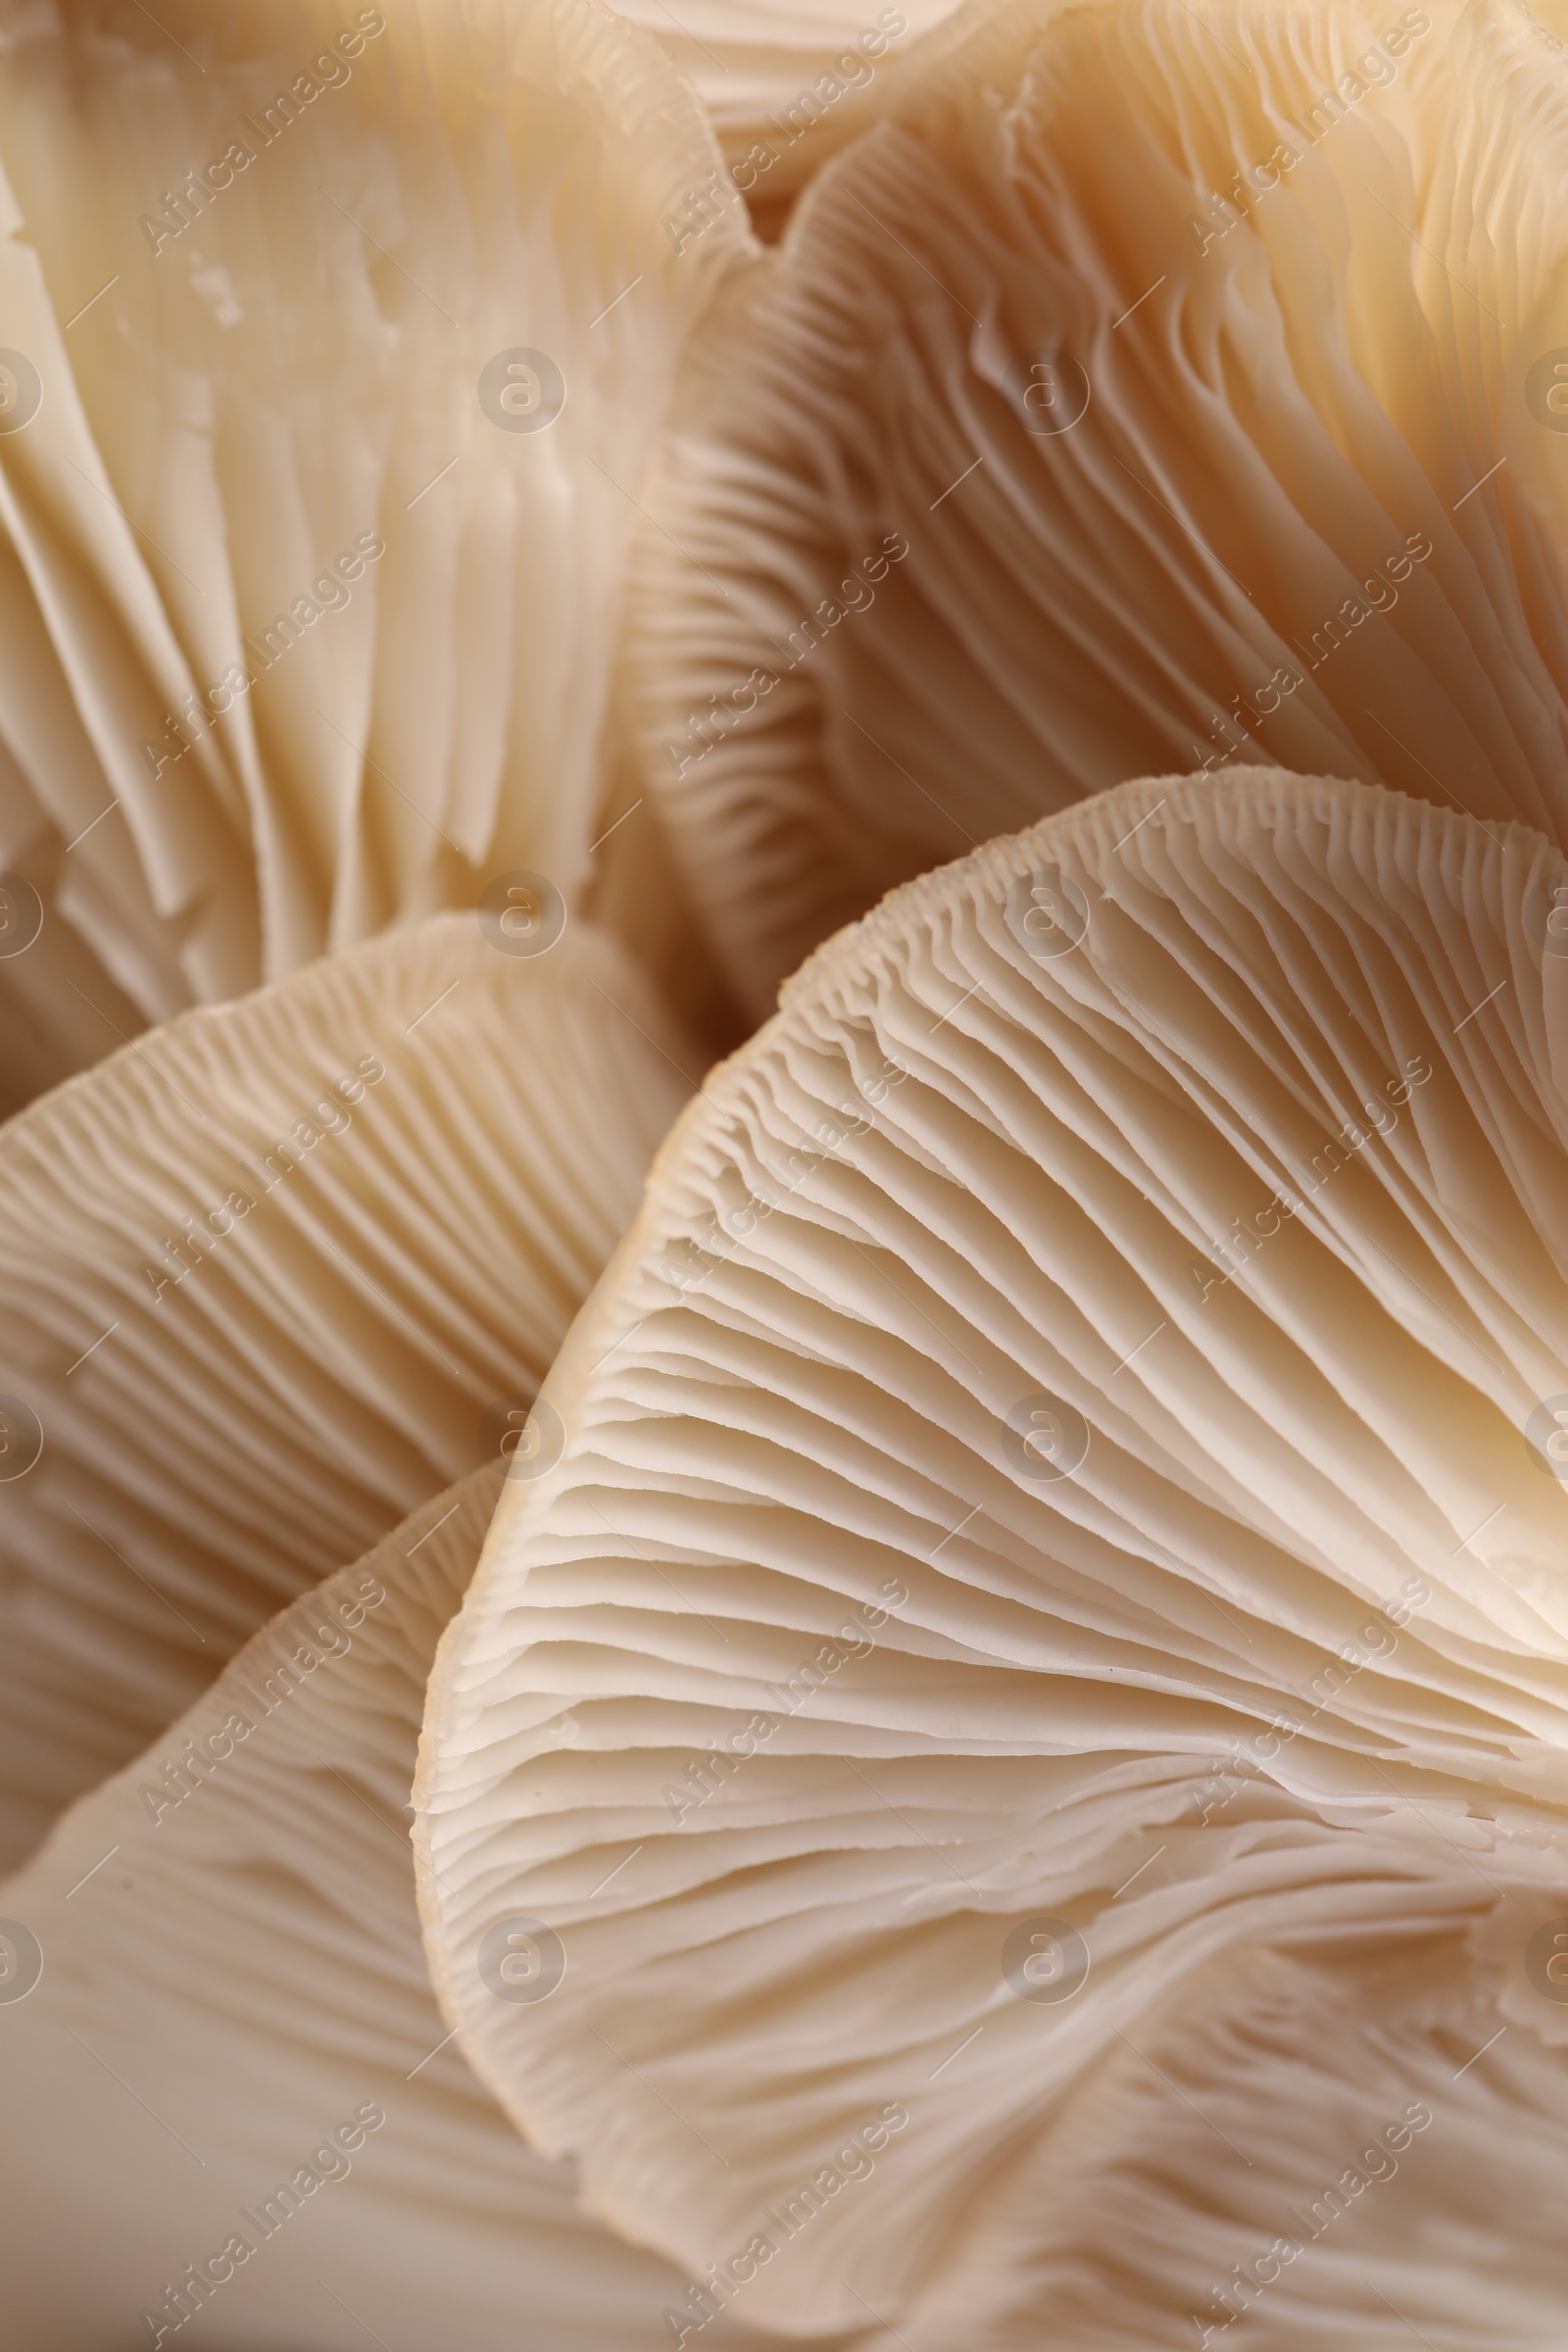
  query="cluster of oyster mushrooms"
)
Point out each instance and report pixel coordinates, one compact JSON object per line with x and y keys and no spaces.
{"x":910,"y":1689}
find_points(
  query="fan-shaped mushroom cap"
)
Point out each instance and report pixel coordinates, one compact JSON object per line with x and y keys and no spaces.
{"x":347,"y":335}
{"x":784,"y":86}
{"x":1147,"y":385}
{"x":233,"y":2038}
{"x":273,"y":1276}
{"x":1058,"y":1539}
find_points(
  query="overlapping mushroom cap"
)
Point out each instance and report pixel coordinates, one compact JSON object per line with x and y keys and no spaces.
{"x":334,"y":345}
{"x":1146,"y":386}
{"x":1004,"y":1776}
{"x":274,"y":1275}
{"x":219,"y":2044}
{"x":1027,"y":1729}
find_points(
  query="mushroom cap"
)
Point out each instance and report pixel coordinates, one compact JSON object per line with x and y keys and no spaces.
{"x":273,"y":1275}
{"x":1143,"y":388}
{"x":1059,"y":1540}
{"x":233,"y":1993}
{"x":311,"y":549}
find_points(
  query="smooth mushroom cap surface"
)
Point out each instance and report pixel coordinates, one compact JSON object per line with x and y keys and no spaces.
{"x":1054,"y":1573}
{"x":1146,"y":388}
{"x":275,"y":1274}
{"x":340,"y":338}
{"x":231,"y":2059}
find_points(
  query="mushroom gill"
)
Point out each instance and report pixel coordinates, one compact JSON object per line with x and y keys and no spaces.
{"x":1034,"y":1700}
{"x":1146,"y":388}
{"x":785,"y":88}
{"x":340,"y":338}
{"x":275,"y":1274}
{"x":221,"y":2045}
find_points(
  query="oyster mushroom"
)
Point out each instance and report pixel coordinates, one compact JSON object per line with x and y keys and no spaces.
{"x":1146,"y":388}
{"x":276,"y":1274}
{"x":1049,"y":1614}
{"x":338,"y":348}
{"x":785,"y":88}
{"x":231,"y":2059}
